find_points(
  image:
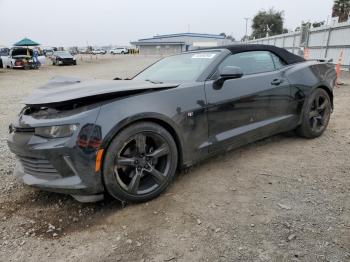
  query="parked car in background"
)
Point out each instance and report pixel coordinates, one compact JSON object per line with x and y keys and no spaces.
{"x":22,"y":57}
{"x":63,"y":58}
{"x":73,"y":52}
{"x":119,"y":51}
{"x":4,"y":52}
{"x":48,"y":52}
{"x":83,"y":51}
{"x":98,"y":52}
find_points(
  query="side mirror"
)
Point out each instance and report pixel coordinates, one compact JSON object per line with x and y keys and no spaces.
{"x":230,"y":72}
{"x":226,"y":73}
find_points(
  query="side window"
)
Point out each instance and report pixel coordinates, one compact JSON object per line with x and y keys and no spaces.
{"x":253,"y":62}
{"x":279,"y":63}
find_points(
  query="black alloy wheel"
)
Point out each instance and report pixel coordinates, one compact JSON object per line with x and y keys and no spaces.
{"x":316,"y":114}
{"x":141,"y":162}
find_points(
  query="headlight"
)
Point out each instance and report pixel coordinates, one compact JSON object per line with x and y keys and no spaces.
{"x":56,"y":131}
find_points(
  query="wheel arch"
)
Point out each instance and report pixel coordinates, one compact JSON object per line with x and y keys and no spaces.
{"x":319,"y":86}
{"x":329,"y":92}
{"x":153,"y":118}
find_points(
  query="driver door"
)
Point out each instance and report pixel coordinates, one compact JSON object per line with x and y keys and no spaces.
{"x":251,"y":107}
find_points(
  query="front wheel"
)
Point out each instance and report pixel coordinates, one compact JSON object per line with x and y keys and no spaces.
{"x":316,"y":114}
{"x":140,"y":163}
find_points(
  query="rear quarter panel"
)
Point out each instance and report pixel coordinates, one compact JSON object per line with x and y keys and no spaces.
{"x":307,"y":76}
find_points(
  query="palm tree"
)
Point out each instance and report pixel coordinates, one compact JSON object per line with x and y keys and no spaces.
{"x":341,"y":8}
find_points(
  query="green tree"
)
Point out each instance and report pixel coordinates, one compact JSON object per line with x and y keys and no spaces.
{"x":267,"y":23}
{"x":230,"y":37}
{"x":341,"y":8}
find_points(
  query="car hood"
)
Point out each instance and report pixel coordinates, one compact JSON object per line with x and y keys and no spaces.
{"x":65,"y":89}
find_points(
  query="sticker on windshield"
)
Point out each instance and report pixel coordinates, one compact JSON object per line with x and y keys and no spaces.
{"x":204,"y":55}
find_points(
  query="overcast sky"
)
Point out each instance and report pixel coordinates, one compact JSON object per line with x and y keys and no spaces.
{"x":104,"y":22}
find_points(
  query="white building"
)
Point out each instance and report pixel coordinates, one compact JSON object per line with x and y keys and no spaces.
{"x":177,"y":43}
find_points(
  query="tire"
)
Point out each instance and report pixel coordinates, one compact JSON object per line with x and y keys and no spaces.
{"x":316,"y":114}
{"x":140,"y":163}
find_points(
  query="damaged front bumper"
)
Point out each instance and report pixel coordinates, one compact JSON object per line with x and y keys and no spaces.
{"x":63,"y":165}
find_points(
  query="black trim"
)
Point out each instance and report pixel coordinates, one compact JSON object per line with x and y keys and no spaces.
{"x":282,"y":53}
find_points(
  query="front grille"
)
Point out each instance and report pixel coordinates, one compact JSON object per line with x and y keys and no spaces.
{"x":67,"y":60}
{"x":40,"y":168}
{"x":24,"y":129}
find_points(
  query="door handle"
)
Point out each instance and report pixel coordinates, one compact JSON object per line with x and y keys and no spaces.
{"x":277,"y":82}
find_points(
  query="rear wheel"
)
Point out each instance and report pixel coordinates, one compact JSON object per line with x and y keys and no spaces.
{"x":140,"y":163}
{"x":316,"y":114}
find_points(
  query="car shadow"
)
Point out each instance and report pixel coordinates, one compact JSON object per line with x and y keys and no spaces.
{"x":51,"y":215}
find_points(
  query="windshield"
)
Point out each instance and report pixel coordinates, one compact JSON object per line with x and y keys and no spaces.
{"x":22,"y":52}
{"x":184,"y":67}
{"x":62,"y":53}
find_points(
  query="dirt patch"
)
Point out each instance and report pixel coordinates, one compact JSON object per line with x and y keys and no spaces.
{"x":46,"y":213}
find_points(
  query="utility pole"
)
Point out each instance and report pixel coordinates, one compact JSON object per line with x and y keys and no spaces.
{"x":246,"y":28}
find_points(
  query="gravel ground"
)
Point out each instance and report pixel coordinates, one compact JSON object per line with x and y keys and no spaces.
{"x":280,"y":199}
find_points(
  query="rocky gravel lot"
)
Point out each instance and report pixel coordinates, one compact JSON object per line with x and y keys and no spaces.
{"x":280,"y":199}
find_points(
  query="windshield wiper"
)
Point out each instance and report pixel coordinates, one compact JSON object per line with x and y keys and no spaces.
{"x":153,"y":81}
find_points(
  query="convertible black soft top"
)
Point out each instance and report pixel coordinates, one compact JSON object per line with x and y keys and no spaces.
{"x":285,"y":55}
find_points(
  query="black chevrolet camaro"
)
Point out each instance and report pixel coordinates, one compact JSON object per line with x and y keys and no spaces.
{"x":128,"y":137}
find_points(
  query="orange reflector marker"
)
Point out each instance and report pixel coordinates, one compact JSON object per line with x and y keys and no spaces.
{"x":338,"y":67}
{"x":98,"y":160}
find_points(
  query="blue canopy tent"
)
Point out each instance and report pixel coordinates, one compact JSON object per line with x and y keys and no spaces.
{"x":26,"y":42}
